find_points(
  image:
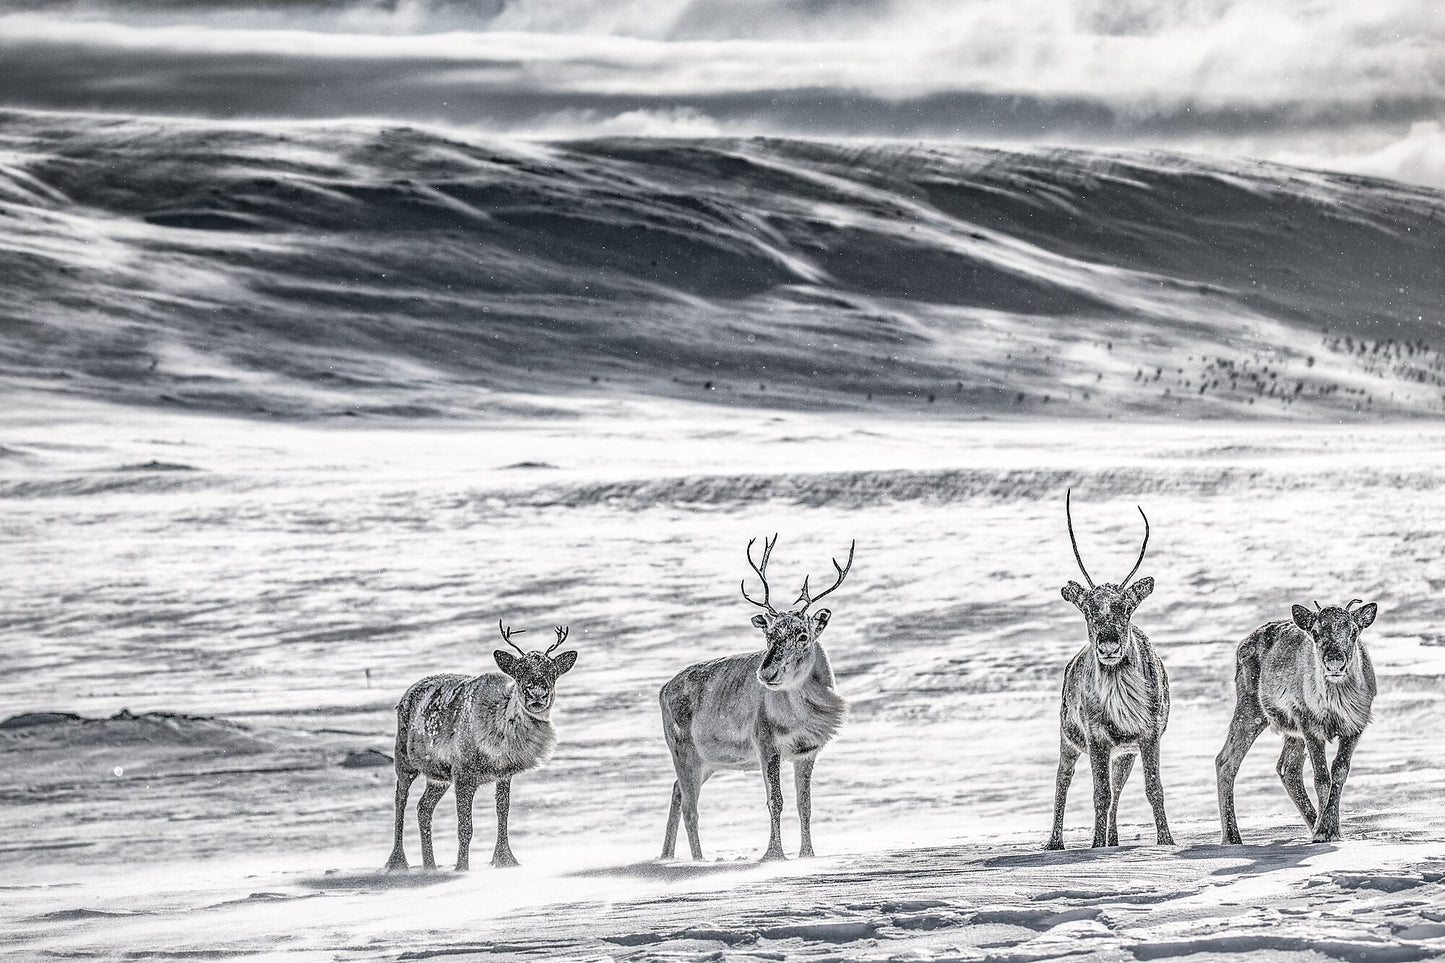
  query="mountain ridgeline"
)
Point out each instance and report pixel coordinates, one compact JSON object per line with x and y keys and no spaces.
{"x":359,"y":268}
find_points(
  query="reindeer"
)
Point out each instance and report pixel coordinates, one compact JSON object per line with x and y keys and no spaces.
{"x":1310,"y":680}
{"x":755,"y":711}
{"x":1115,"y":700}
{"x":468,"y":732}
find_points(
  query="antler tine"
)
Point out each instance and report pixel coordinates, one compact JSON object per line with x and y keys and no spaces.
{"x":508,"y":632}
{"x":842,"y":571}
{"x":1142,"y":549}
{"x":1353,"y":603}
{"x":762,"y":571}
{"x":561,"y":631}
{"x":1069,"y":515}
{"x":1317,"y":607}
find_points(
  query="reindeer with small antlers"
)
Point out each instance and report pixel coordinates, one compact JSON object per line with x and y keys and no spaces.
{"x":1311,"y":680}
{"x":756,"y":711}
{"x":467,"y":732}
{"x":1115,"y":701}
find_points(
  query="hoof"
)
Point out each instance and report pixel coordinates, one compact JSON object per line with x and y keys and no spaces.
{"x":805,"y":853}
{"x":1165,"y":839}
{"x":395,"y":866}
{"x":772,"y":855}
{"x":505,"y":861}
{"x":1325,"y":837}
{"x":1054,"y":844}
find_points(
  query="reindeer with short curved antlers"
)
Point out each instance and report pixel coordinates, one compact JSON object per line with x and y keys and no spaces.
{"x":1115,"y":701}
{"x":1311,"y":680}
{"x":467,"y":732}
{"x":756,"y":711}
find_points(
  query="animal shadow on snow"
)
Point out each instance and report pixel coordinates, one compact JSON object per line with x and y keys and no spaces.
{"x":664,"y":870}
{"x":379,"y":879}
{"x":1261,"y":858}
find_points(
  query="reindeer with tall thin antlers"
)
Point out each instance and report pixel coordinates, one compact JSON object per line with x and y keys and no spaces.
{"x":1115,"y":700}
{"x":756,"y":711}
{"x":1311,"y":680}
{"x":467,"y":732}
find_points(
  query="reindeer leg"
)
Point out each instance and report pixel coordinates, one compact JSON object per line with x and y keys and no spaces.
{"x":674,"y":815}
{"x":1154,"y":789}
{"x":1328,"y":830}
{"x":803,"y":783}
{"x":1291,"y":769}
{"x":465,"y":790}
{"x":502,"y":854}
{"x":691,"y":785}
{"x":1244,"y":728}
{"x":424,"y":808}
{"x":1099,"y":764}
{"x":1320,"y":763}
{"x":1068,"y":757}
{"x":397,"y":861}
{"x":773,"y":783}
{"x":1122,"y":766}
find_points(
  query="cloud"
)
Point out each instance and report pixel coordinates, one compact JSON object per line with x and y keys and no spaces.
{"x":1288,"y":74}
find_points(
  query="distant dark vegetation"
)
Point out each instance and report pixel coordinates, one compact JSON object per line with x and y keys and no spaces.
{"x":312,"y":270}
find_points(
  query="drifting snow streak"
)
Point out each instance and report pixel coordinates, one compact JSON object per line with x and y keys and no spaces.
{"x":858,"y":490}
{"x":356,"y":268}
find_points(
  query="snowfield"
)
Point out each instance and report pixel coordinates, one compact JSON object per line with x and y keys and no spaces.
{"x":230,"y":608}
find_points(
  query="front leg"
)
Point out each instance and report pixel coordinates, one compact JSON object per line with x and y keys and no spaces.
{"x":1154,"y":789}
{"x":1068,"y":758}
{"x":1328,"y":830}
{"x":773,"y":784}
{"x":502,"y":854}
{"x":1099,"y":764}
{"x":1320,"y":763}
{"x":465,"y":790}
{"x":803,"y":783}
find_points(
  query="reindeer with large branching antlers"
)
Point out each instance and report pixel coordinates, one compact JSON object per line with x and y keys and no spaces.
{"x":1311,"y":680}
{"x":467,"y":732}
{"x":1115,"y":702}
{"x":756,"y":711}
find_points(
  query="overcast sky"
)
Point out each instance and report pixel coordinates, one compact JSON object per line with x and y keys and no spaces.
{"x":1350,"y":84}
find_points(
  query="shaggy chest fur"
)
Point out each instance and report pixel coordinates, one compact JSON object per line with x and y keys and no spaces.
{"x":1115,"y":705}
{"x":803,"y":720}
{"x":450,"y":726}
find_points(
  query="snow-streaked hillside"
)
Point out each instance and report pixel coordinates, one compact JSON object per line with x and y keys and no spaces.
{"x":358,"y":267}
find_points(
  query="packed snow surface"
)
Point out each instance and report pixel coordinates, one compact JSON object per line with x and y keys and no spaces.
{"x":208,"y":621}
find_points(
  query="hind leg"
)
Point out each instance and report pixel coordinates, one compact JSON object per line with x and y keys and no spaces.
{"x":1119,"y":774}
{"x":424,"y":809}
{"x":397,"y":861}
{"x":674,"y":815}
{"x":1291,"y":769}
{"x":1244,"y":728}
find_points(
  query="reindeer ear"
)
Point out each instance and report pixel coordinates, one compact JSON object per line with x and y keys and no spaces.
{"x":1072,"y":593}
{"x":760,"y":620}
{"x":506,"y":661}
{"x":1140,"y":590}
{"x":1365,"y":615}
{"x":564,"y":661}
{"x":1303,"y":617}
{"x":820,"y":620}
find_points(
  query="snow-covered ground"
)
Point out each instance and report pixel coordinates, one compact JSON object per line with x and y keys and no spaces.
{"x":280,"y":585}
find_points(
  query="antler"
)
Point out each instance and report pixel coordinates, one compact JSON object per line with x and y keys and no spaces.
{"x":561,"y":631}
{"x":842,"y":571}
{"x":1069,"y":515}
{"x":1142,"y":549}
{"x":507,"y":633}
{"x":1353,"y":603}
{"x":762,"y":570}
